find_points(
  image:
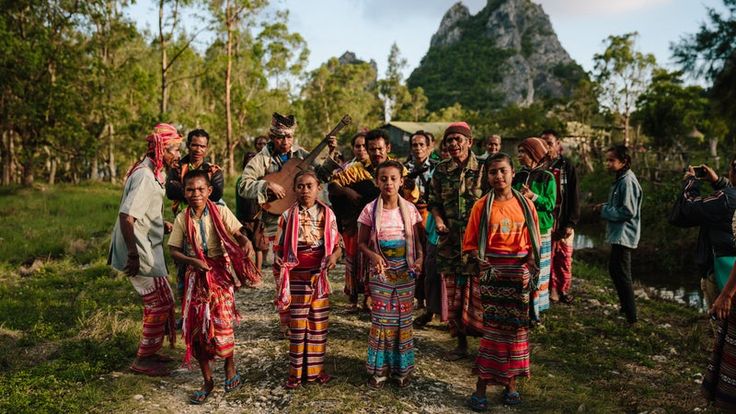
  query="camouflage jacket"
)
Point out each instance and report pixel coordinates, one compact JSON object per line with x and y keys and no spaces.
{"x":453,"y":191}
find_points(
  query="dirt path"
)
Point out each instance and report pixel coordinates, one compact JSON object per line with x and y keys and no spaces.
{"x":261,"y":358}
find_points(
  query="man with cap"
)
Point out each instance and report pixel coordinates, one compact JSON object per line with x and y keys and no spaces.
{"x":454,"y":188}
{"x":271,"y":158}
{"x":567,"y":214}
{"x":136,"y":247}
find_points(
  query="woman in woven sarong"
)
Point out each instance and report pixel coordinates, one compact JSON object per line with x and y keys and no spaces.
{"x":307,"y":247}
{"x":390,"y":235}
{"x":537,"y":184}
{"x":206,"y":239}
{"x":719,"y":381}
{"x":502,"y":236}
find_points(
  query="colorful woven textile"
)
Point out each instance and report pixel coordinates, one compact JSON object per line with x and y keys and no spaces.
{"x":308,"y":323}
{"x":355,"y":268}
{"x":503,"y":355}
{"x":158,"y":316}
{"x":719,"y":381}
{"x":209,"y":311}
{"x":391,"y":339}
{"x":561,"y":269}
{"x":541,"y":295}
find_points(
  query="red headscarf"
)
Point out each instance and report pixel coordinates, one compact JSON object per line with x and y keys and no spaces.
{"x":162,"y":136}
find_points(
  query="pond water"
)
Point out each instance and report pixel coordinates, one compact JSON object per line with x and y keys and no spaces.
{"x":682,"y":286}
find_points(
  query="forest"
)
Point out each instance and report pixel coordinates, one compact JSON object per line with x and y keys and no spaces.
{"x":81,"y":85}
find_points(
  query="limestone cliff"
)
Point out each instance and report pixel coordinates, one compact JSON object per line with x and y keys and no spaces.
{"x":507,"y":53}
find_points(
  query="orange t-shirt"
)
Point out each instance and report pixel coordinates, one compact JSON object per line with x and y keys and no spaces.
{"x":507,"y":233}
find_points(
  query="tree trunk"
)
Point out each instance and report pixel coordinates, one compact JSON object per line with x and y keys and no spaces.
{"x":28,"y":170}
{"x":7,"y":157}
{"x":111,"y":152}
{"x":713,"y":147}
{"x":162,"y":40}
{"x":52,"y":171}
{"x":230,"y":21}
{"x":627,"y":119}
{"x":94,"y":174}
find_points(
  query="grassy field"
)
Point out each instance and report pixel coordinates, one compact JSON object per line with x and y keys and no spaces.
{"x":69,"y":327}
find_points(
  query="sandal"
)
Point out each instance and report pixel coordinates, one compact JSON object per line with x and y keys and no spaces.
{"x":404,"y":381}
{"x":151,"y":371}
{"x":423,"y":320}
{"x":376,"y":383}
{"x":200,"y":396}
{"x":511,"y":398}
{"x":323,"y":378}
{"x":233,"y":383}
{"x":478,"y":404}
{"x":292,"y":383}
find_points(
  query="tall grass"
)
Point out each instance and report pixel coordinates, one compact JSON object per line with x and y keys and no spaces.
{"x":67,"y":220}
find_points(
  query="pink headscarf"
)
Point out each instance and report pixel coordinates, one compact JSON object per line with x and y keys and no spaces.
{"x":162,"y":136}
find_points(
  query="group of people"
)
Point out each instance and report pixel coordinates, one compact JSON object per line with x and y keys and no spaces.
{"x":482,"y":244}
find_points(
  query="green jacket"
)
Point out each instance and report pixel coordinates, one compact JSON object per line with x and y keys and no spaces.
{"x":542,"y":183}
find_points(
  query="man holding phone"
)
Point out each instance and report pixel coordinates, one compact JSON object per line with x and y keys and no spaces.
{"x":715,"y":252}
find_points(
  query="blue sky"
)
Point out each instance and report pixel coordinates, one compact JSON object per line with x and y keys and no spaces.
{"x":369,"y":27}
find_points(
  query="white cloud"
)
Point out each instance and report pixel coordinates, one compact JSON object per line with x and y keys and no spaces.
{"x":597,"y":7}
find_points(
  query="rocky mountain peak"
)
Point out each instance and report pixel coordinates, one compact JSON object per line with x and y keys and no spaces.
{"x":450,"y":28}
{"x":513,"y":55}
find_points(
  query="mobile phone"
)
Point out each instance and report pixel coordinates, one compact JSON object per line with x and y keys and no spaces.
{"x":700,"y":172}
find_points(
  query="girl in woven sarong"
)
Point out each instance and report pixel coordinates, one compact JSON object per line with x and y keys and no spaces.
{"x":307,"y":247}
{"x":206,"y":238}
{"x":502,"y":237}
{"x":391,"y":235}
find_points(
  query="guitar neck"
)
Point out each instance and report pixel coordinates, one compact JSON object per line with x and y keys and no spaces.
{"x":318,"y":149}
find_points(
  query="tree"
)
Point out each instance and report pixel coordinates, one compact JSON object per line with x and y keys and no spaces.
{"x":411,"y":105}
{"x":622,"y":73}
{"x":231,"y":15}
{"x":390,"y":87}
{"x":668,"y":111}
{"x":110,"y":48}
{"x":452,"y":113}
{"x":273,"y":53}
{"x":712,"y":52}
{"x":335,"y":89}
{"x":39,"y":64}
{"x":164,"y":37}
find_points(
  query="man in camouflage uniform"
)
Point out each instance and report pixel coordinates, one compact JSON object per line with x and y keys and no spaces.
{"x":455,"y":187}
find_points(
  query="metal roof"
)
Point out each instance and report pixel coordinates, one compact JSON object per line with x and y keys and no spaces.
{"x":436,"y":128}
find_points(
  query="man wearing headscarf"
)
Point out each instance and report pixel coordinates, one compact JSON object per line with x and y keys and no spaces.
{"x":454,"y":188}
{"x":136,"y":247}
{"x":270,"y":160}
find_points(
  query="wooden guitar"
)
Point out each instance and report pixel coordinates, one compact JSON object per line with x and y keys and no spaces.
{"x":285,"y":177}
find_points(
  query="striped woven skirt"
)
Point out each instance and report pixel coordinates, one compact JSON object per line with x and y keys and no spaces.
{"x":209,"y":312}
{"x":719,"y":382}
{"x":354,"y":268}
{"x":391,"y":339}
{"x":461,"y":305}
{"x":158,"y":313}
{"x":503,"y":351}
{"x":308,"y":319}
{"x":541,"y":296}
